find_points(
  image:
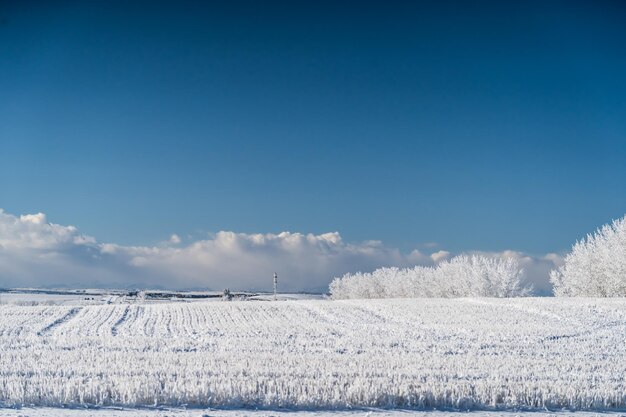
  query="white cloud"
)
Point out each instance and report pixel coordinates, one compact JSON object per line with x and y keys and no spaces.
{"x":34,"y":252}
{"x":440,"y":256}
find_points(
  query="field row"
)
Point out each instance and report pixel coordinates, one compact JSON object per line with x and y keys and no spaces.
{"x":420,"y":353}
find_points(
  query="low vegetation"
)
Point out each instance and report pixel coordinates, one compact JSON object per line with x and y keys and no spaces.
{"x":471,"y":353}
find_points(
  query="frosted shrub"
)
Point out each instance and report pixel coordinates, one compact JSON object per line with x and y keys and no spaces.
{"x":462,"y":276}
{"x":596,"y":267}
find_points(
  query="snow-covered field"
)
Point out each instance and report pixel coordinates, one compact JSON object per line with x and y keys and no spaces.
{"x":177,"y":412}
{"x":529,"y":353}
{"x":33,"y":296}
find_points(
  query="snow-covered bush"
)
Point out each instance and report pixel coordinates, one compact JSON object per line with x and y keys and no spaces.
{"x":462,"y":276}
{"x":596,"y":267}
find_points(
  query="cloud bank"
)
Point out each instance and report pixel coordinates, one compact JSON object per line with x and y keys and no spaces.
{"x":34,"y":252}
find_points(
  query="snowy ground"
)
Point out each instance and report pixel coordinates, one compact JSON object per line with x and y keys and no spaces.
{"x":35,"y":296}
{"x":108,"y":412}
{"x":312,"y":354}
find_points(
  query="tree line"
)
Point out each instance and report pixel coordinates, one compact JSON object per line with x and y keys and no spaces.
{"x":596,"y":267}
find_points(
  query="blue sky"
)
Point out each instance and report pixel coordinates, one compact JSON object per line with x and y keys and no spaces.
{"x":486,"y":127}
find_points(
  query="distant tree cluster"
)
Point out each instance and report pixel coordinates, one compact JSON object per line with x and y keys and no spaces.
{"x":596,"y":267}
{"x":462,"y":276}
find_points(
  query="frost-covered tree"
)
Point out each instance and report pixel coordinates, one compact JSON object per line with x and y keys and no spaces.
{"x":596,"y":267}
{"x":462,"y":276}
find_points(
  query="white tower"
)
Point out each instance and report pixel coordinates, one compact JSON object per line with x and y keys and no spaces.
{"x":275,"y":284}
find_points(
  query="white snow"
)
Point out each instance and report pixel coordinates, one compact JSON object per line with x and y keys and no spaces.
{"x":468,"y":353}
{"x":177,"y":412}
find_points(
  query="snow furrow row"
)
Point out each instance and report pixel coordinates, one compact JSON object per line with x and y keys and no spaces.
{"x":418,"y":353}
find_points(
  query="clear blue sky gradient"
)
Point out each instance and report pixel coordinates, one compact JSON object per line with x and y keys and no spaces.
{"x":484,"y":126}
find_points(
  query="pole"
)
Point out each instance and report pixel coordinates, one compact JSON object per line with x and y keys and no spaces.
{"x":275,"y":284}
